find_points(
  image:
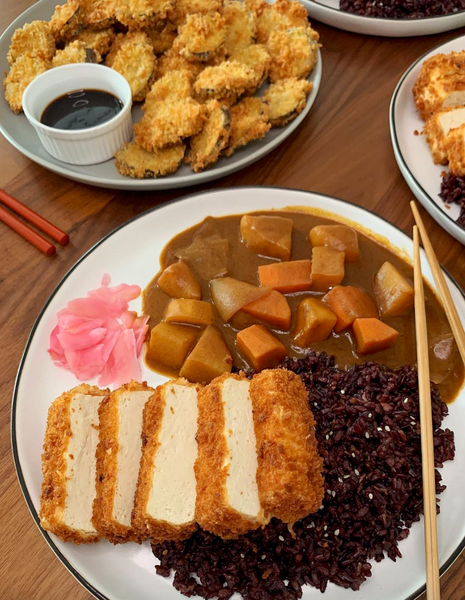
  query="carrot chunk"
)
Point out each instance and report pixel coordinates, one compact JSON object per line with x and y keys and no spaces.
{"x":178,"y":281}
{"x":259,"y":348}
{"x":209,"y":358}
{"x":393,"y":292}
{"x":272,"y":309}
{"x":327,"y":268}
{"x":268,"y":236}
{"x":314,"y":322}
{"x":287,"y":277}
{"x":349,"y":303}
{"x":337,"y":237}
{"x":372,"y":335}
{"x":191,"y":312}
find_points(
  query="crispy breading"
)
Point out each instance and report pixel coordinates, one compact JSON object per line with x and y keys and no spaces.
{"x":257,"y":58}
{"x":206,"y":146}
{"x":294,"y":53}
{"x":240,"y":26}
{"x":175,"y":85}
{"x":75,"y":52}
{"x":134,"y":59}
{"x":98,"y":14}
{"x":286,"y":98}
{"x":201,"y":36}
{"x":182,"y":8}
{"x":173,"y":61}
{"x":140,"y":14}
{"x":165,"y":123}
{"x":133,"y":161}
{"x":454,"y":146}
{"x":279,"y":16}
{"x":439,"y":126}
{"x":225,"y":82}
{"x":66,"y":20}
{"x":20,"y":75}
{"x":34,"y":39}
{"x":99,"y":40}
{"x":250,"y":120}
{"x":161,"y":36}
{"x":116,"y":44}
{"x":289,"y":473}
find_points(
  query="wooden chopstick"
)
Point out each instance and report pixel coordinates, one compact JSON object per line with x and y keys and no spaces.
{"x":433,"y":591}
{"x":35,"y":219}
{"x":26,"y":232}
{"x":443,"y":289}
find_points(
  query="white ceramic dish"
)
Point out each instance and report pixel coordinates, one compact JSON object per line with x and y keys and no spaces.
{"x":327,"y":11}
{"x":20,"y":134}
{"x":412,"y":152}
{"x":130,"y":254}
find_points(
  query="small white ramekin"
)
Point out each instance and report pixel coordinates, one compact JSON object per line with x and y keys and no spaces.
{"x":83,"y":146}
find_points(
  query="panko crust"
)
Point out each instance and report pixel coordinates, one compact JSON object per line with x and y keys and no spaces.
{"x":22,"y":72}
{"x":206,"y":146}
{"x":34,"y":39}
{"x":250,"y":120}
{"x":289,"y":474}
{"x":257,"y":58}
{"x":454,"y":146}
{"x":134,"y":161}
{"x":182,"y":8}
{"x":212,"y":511}
{"x":175,"y":85}
{"x":66,"y":20}
{"x":135,"y":60}
{"x":173,"y":61}
{"x":145,"y":526}
{"x":201,"y":36}
{"x":54,"y":466}
{"x":240,"y":26}
{"x":107,"y":468}
{"x":161,"y":36}
{"x":225,"y":82}
{"x":279,"y":16}
{"x":140,"y":14}
{"x":435,"y":136}
{"x":98,"y":14}
{"x":286,"y":98}
{"x":294,"y":53}
{"x":75,"y":52}
{"x":99,"y":40}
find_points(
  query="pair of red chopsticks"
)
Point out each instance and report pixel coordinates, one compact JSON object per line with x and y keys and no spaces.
{"x":25,"y":231}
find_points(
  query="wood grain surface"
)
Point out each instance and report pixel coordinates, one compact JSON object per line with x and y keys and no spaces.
{"x":343,"y":149}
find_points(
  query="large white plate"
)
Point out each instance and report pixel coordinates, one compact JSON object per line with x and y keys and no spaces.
{"x":327,"y":11}
{"x":130,"y":254}
{"x":22,"y":136}
{"x":412,"y":152}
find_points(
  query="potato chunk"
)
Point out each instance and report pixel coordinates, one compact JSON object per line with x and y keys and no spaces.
{"x":327,"y":268}
{"x":273,"y":309}
{"x":372,"y":335}
{"x":170,"y":344}
{"x":349,"y":303}
{"x":178,"y":281}
{"x":268,"y":236}
{"x":230,"y":295}
{"x":337,"y":237}
{"x":314,"y":322}
{"x":209,"y":358}
{"x":191,"y":312}
{"x":287,"y":277}
{"x":393,"y":292}
{"x":259,"y":348}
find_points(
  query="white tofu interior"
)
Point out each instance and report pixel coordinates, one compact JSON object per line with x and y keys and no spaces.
{"x":241,"y":483}
{"x":451,"y":120}
{"x":130,"y":410}
{"x":456,"y":98}
{"x":173,"y":491}
{"x":81,"y":463}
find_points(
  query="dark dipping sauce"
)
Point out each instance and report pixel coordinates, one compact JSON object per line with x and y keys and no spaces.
{"x":81,"y":109}
{"x":445,"y":364}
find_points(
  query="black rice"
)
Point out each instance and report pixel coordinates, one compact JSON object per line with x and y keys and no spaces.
{"x":367,"y":426}
{"x":453,"y":192}
{"x":402,"y":9}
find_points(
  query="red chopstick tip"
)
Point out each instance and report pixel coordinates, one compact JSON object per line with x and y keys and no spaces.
{"x":50,"y":251}
{"x":64,"y":239}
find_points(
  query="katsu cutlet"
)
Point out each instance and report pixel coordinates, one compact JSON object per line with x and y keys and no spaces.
{"x":69,"y":465}
{"x":118,"y":458}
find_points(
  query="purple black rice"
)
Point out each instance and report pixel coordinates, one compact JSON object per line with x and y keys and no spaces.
{"x":402,"y":9}
{"x":369,"y":435}
{"x":453,"y":192}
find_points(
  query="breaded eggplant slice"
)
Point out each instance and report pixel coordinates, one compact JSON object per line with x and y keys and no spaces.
{"x":257,"y":58}
{"x":140,"y":14}
{"x":206,"y":146}
{"x":201,"y":36}
{"x":225,"y":82}
{"x":98,"y":14}
{"x":134,"y":161}
{"x":173,"y":61}
{"x":182,"y":8}
{"x":294,"y":53}
{"x":286,"y":98}
{"x":165,"y":123}
{"x":279,"y":16}
{"x":135,"y":60}
{"x":99,"y":40}
{"x":66,"y":20}
{"x":34,"y":39}
{"x":20,"y":75}
{"x":75,"y":52}
{"x":240,"y":26}
{"x":250,"y":120}
{"x":175,"y":85}
{"x":161,"y":36}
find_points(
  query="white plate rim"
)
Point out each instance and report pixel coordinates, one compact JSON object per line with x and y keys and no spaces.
{"x":411,"y":180}
{"x":65,"y":562}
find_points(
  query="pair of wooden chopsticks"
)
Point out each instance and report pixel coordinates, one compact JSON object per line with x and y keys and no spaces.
{"x":35,"y":219}
{"x":433,"y":591}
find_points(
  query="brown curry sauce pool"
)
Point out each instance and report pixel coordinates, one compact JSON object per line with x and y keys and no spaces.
{"x":243,"y":264}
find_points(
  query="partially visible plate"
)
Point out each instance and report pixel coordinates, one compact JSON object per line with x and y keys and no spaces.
{"x":411,"y":150}
{"x":327,"y":11}
{"x":22,"y":136}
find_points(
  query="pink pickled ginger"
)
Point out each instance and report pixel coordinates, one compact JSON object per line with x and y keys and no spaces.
{"x":99,"y":335}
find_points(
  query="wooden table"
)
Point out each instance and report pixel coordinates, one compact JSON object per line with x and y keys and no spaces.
{"x":343,"y":149}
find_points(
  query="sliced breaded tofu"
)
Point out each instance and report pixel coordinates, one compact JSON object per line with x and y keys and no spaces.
{"x":69,"y":465}
{"x":118,"y":459}
{"x":165,"y":498}
{"x":226,"y":468}
{"x":454,"y":145}
{"x":289,"y":473}
{"x":438,"y":127}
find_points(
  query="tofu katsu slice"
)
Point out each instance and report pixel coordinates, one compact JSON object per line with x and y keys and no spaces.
{"x":165,"y":497}
{"x":289,"y":473}
{"x":227,"y":503}
{"x":438,"y":127}
{"x":118,"y":459}
{"x":69,"y":465}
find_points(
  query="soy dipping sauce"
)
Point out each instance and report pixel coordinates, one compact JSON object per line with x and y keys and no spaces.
{"x":81,"y":109}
